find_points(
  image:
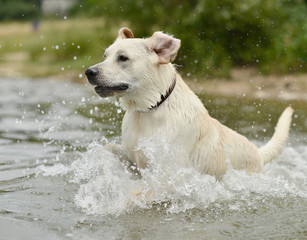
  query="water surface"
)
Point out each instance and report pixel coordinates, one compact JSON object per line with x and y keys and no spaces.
{"x":57,"y":181}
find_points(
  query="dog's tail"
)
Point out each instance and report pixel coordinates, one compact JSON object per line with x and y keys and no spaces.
{"x":274,"y":147}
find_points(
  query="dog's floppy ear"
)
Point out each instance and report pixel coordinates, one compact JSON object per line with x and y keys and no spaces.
{"x":125,"y":33}
{"x":165,"y":46}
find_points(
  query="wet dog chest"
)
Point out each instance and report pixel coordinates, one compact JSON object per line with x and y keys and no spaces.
{"x":139,"y":125}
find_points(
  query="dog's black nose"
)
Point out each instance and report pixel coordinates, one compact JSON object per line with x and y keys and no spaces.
{"x":91,"y":74}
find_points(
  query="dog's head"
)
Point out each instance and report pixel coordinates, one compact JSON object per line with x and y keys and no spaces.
{"x":135,"y":67}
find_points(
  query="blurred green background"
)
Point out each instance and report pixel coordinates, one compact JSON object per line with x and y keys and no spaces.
{"x":217,"y":35}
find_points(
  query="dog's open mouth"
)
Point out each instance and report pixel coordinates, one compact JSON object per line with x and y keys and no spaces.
{"x":107,"y":91}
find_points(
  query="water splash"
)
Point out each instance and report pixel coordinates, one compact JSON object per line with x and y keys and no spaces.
{"x":107,"y":186}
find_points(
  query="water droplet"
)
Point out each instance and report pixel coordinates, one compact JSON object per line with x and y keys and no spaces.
{"x":69,"y":235}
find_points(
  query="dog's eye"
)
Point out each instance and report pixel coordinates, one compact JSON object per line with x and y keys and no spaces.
{"x":122,"y":58}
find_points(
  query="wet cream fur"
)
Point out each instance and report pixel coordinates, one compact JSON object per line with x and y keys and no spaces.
{"x":181,"y":119}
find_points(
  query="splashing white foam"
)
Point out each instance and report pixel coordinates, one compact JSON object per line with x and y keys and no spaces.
{"x":107,"y":186}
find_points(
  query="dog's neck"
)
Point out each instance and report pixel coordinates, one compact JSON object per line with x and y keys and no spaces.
{"x":154,"y":91}
{"x":166,"y":95}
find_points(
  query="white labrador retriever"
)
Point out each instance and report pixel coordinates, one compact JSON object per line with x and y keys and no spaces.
{"x":158,"y":102}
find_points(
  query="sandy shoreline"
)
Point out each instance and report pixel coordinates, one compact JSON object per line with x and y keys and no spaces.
{"x":247,"y":83}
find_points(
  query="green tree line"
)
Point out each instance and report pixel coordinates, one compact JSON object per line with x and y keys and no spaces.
{"x":218,"y":35}
{"x":19,"y":9}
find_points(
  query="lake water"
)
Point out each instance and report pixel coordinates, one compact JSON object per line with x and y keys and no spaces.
{"x":57,"y":181}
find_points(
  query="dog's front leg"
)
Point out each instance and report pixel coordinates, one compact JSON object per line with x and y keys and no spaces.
{"x":117,"y":150}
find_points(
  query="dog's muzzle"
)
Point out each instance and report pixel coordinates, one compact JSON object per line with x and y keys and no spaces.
{"x":103,"y":89}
